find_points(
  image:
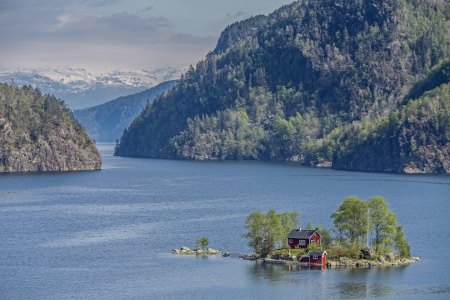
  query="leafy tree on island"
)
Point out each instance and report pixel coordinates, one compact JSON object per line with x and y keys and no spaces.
{"x":382,"y":221}
{"x":202,"y":242}
{"x":401,"y":245}
{"x":264,"y":231}
{"x":351,"y":217}
{"x":350,"y":220}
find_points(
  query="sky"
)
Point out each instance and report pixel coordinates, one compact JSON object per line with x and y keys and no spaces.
{"x":113,"y":34}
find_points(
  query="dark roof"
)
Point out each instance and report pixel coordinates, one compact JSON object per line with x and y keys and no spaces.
{"x":300,"y":234}
{"x":318,"y":253}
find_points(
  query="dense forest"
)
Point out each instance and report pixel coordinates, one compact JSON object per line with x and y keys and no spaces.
{"x":313,"y":71}
{"x":39,"y":133}
{"x":414,"y":138}
{"x":105,"y":122}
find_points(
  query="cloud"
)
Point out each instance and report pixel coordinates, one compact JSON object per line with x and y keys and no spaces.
{"x":7,"y":5}
{"x":236,"y":15}
{"x":53,"y":36}
{"x":148,"y":8}
{"x":98,"y":3}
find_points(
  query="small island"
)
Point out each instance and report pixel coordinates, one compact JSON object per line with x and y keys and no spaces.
{"x":201,"y":243}
{"x":365,"y":234}
{"x":197,"y":251}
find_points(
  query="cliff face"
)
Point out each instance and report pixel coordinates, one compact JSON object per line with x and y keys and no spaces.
{"x":39,"y":133}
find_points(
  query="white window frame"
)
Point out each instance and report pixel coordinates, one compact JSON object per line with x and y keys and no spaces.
{"x":301,"y":242}
{"x":313,"y":242}
{"x":290,"y":241}
{"x":315,"y":257}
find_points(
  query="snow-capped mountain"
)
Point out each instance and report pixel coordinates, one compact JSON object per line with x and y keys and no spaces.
{"x":81,"y":87}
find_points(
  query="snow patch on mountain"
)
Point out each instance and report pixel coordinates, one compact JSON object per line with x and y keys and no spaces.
{"x":81,"y":87}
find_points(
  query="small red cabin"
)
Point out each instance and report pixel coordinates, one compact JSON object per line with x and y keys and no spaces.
{"x":299,"y":238}
{"x":315,"y":257}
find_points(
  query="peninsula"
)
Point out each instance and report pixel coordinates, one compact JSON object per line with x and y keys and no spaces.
{"x":39,"y":133}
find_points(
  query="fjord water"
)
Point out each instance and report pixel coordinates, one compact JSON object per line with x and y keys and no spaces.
{"x":106,"y":234}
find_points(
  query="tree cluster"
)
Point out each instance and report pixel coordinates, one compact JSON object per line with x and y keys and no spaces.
{"x":352,"y":225}
{"x":355,"y":219}
{"x":265,"y":231}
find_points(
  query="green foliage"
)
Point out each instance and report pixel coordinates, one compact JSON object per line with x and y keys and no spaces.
{"x":351,"y":218}
{"x":264,"y":231}
{"x":28,"y":118}
{"x":310,"y":91}
{"x":312,"y":247}
{"x":401,"y":245}
{"x":416,"y":136}
{"x":382,"y":221}
{"x":202,"y":242}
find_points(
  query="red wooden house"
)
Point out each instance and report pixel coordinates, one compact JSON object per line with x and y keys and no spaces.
{"x":314,"y":257}
{"x":299,"y":238}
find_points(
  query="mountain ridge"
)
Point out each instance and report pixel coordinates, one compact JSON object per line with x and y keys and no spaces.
{"x":286,"y":92}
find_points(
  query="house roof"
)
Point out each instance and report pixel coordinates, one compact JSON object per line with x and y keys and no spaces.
{"x":318,"y":253}
{"x":300,"y":234}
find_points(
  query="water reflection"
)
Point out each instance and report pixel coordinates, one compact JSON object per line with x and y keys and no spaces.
{"x":343,"y":283}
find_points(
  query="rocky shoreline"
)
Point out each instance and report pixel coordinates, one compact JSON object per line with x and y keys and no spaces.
{"x":380,"y":262}
{"x":341,"y":263}
{"x":197,"y":251}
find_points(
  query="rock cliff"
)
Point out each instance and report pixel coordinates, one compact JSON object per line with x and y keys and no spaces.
{"x":39,"y":133}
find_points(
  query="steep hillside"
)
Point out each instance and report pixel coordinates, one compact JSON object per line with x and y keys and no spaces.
{"x":106,"y":122}
{"x":237,"y":32}
{"x":413,"y":139}
{"x":39,"y":133}
{"x":315,"y":67}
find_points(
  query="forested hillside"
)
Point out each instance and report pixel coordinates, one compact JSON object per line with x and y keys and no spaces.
{"x":39,"y":133}
{"x":415,"y":138}
{"x":317,"y":66}
{"x":238,"y":32}
{"x":106,"y":122}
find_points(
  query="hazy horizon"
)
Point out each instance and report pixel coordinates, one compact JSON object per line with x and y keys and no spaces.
{"x":115,"y":34}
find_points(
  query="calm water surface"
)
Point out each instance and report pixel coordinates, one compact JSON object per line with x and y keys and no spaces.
{"x":106,"y":234}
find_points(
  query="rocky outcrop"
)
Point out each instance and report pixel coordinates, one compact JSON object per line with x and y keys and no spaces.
{"x":197,"y":251}
{"x":367,"y":252}
{"x":381,"y":262}
{"x":61,"y":149}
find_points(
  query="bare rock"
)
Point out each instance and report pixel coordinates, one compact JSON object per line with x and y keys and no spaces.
{"x":367,"y":252}
{"x":390,"y":256}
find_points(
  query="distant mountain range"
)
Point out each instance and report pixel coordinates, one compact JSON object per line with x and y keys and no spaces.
{"x":81,"y":87}
{"x":106,"y":122}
